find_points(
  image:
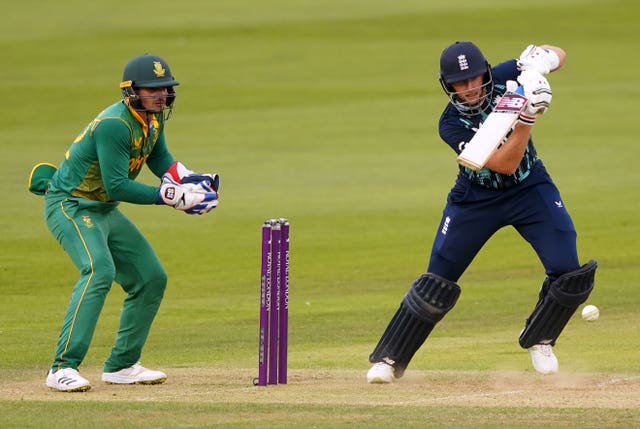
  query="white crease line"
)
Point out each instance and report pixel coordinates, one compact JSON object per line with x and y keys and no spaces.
{"x":616,"y":380}
{"x":447,"y":398}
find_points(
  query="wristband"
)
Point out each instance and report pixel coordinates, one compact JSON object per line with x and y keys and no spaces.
{"x":526,"y":119}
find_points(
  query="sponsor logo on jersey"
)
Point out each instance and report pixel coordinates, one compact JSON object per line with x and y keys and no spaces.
{"x":137,"y":163}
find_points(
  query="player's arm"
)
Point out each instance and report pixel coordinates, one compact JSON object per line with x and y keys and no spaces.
{"x":537,"y":90}
{"x":112,"y":147}
{"x":160,"y":159}
{"x":162,"y":163}
{"x":507,"y":158}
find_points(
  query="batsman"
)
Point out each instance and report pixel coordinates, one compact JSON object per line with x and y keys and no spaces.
{"x":513,"y":189}
{"x":81,"y":211}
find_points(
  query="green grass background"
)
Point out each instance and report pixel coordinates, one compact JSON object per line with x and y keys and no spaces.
{"x":324,"y":112}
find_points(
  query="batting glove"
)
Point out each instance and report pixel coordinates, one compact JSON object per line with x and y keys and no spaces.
{"x":181,"y":174}
{"x":537,"y":91}
{"x":541,"y":60}
{"x":512,"y":86}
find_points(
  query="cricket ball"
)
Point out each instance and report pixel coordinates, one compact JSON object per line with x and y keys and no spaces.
{"x":590,"y":313}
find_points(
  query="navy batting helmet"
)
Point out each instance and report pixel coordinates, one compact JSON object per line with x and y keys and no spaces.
{"x":461,"y":61}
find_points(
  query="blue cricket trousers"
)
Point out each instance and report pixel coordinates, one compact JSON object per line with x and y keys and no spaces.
{"x":474,"y":213}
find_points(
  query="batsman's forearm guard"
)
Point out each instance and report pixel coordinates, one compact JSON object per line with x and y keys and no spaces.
{"x":425,"y":304}
{"x":558,"y":301}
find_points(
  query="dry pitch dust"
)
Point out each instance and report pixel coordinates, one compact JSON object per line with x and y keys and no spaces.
{"x":348,"y":387}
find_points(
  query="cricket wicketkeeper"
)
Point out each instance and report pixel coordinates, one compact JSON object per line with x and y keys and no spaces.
{"x":81,"y":210}
{"x":512,"y":189}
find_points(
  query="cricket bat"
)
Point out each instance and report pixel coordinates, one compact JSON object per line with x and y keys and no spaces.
{"x":492,"y":132}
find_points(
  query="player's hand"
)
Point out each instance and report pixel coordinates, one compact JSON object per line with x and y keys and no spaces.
{"x":537,"y":91}
{"x":198,"y":198}
{"x":170,"y":192}
{"x":212,"y":179}
{"x":178,"y":173}
{"x":512,"y":86}
{"x":203,"y":207}
{"x":192,"y":198}
{"x":535,"y":58}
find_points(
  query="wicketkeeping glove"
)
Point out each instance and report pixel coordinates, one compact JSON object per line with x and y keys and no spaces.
{"x":537,"y":90}
{"x":181,"y":174}
{"x":192,"y":198}
{"x":203,"y":207}
{"x":541,"y":60}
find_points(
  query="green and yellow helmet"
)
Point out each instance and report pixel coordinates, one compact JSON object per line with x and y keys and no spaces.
{"x":147,"y":71}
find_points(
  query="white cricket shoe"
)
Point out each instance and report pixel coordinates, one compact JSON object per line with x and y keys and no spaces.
{"x":136,"y":374}
{"x":67,"y":380}
{"x":381,"y":373}
{"x":543,"y":359}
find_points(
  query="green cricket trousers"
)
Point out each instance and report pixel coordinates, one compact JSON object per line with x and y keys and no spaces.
{"x":105,"y":246}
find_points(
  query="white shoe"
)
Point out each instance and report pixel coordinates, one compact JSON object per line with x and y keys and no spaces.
{"x":67,"y":380}
{"x":543,"y":359}
{"x":136,"y":374}
{"x":381,"y":373}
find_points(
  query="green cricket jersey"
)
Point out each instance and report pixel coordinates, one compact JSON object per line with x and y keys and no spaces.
{"x":107,"y":156}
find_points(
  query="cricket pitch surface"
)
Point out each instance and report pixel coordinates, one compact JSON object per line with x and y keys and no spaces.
{"x":349,"y":387}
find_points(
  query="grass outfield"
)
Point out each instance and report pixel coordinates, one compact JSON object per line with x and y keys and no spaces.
{"x":323,"y":112}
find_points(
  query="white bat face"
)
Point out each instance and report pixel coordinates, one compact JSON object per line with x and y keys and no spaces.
{"x":493,"y":131}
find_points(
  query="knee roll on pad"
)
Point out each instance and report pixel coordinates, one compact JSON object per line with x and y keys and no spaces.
{"x":431,"y":297}
{"x":557,"y":305}
{"x":425,"y":304}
